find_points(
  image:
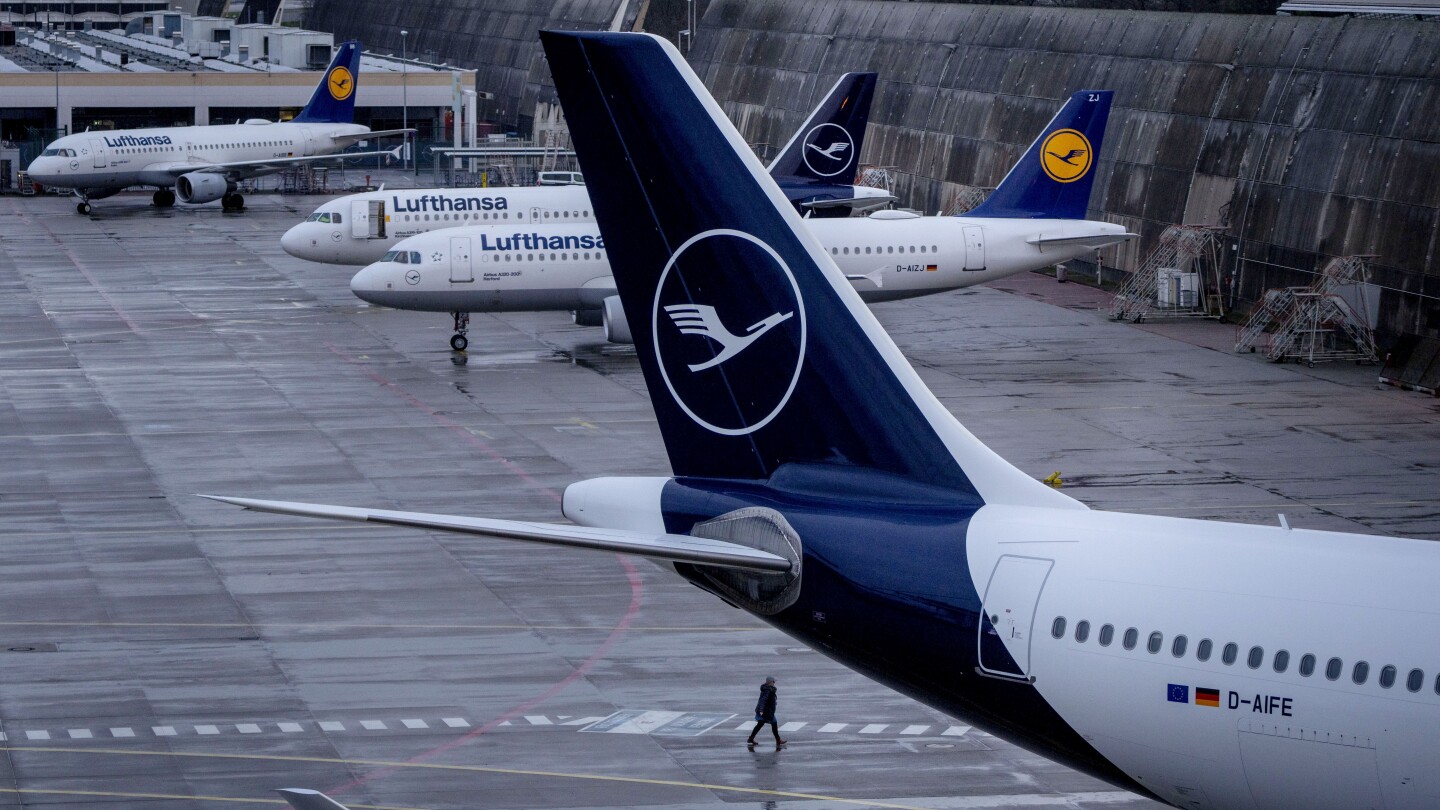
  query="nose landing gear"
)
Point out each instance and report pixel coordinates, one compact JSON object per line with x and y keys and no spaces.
{"x":458,"y":341}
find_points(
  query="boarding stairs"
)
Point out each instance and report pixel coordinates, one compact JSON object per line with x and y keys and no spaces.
{"x":1317,"y":323}
{"x":1171,"y":281}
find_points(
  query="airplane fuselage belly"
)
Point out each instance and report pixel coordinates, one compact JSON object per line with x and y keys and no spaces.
{"x":486,"y":300}
{"x":1195,"y":733}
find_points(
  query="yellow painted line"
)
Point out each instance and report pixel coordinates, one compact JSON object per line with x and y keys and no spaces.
{"x":336,"y":626}
{"x":630,"y":780}
{"x":176,"y":797}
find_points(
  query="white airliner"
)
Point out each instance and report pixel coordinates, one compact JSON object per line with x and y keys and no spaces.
{"x":1034,"y":219}
{"x":818,"y":484}
{"x":360,"y":228}
{"x":205,"y":163}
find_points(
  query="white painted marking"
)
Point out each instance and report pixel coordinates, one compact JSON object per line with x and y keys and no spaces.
{"x":538,"y":720}
{"x":291,"y":728}
{"x":791,"y":726}
{"x":37,"y":735}
{"x":831,"y":728}
{"x":4,"y":737}
{"x":456,"y":722}
{"x":873,"y":728}
{"x":582,"y":721}
{"x":207,"y":730}
{"x":748,"y":724}
{"x":163,"y":731}
{"x":372,"y":725}
{"x":915,"y":730}
{"x":331,"y":725}
{"x":955,"y":731}
{"x":247,"y":728}
{"x":415,"y":723}
{"x":81,"y":734}
{"x":122,"y":732}
{"x":505,"y":723}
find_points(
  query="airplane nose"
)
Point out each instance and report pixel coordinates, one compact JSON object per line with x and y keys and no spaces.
{"x":295,"y":243}
{"x":369,"y":284}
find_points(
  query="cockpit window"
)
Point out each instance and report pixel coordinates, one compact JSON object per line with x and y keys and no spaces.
{"x":414,"y":257}
{"x":50,"y":153}
{"x":324,"y":218}
{"x":335,"y":218}
{"x":390,"y":256}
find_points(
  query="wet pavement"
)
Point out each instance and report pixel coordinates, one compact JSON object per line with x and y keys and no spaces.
{"x":159,"y":650}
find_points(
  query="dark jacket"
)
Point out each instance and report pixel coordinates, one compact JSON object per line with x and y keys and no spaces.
{"x":765,"y":707}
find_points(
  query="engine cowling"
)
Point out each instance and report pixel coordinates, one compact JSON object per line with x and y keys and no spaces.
{"x":202,"y":187}
{"x":617,"y":329}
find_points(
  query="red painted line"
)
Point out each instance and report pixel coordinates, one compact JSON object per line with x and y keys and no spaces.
{"x":632,"y":574}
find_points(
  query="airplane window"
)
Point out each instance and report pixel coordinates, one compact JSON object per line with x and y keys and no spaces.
{"x":552,"y":257}
{"x":587,"y":257}
{"x":1256,"y":657}
{"x":529,"y":257}
{"x":912,"y":248}
{"x":389,"y":256}
{"x":834,"y":251}
{"x":1228,"y":655}
{"x":585,"y":213}
{"x":934,"y":248}
{"x":1131,"y":636}
{"x":485,"y":215}
{"x":890,"y":249}
{"x":1387,"y":676}
{"x":414,"y":257}
{"x":427,"y":217}
{"x":506,"y":215}
{"x":847,"y":251}
{"x":324,"y":218}
{"x":1282,"y":661}
{"x":403,"y":257}
{"x":1057,"y":627}
{"x":1202,"y":650}
{"x":1082,"y":631}
{"x":547,"y":214}
{"x":867,"y":250}
{"x":335,"y":218}
{"x":1107,"y":635}
{"x":50,"y":153}
{"x":1437,"y":683}
{"x":1361,"y":672}
{"x":1156,"y":640}
{"x":1414,"y":680}
{"x":1332,"y":668}
{"x":922,"y":248}
{"x":1177,"y":647}
{"x":1307,"y":665}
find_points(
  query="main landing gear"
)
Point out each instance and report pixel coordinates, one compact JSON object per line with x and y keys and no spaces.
{"x":232,"y":201}
{"x":164,"y":198}
{"x":458,"y":341}
{"x":82,"y":207}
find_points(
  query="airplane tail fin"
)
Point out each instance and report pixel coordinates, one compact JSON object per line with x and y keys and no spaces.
{"x":333,"y":101}
{"x":1054,"y":178}
{"x":827,"y":146}
{"x":756,"y":351}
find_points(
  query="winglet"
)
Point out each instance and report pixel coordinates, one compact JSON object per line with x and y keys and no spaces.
{"x":1054,"y":178}
{"x":333,"y":101}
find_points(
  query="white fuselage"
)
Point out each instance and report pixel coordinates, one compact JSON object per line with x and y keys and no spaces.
{"x":148,"y":157}
{"x":493,"y":268}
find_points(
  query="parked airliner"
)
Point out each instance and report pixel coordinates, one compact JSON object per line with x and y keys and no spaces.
{"x":817,"y":483}
{"x":205,"y":163}
{"x":1034,"y":219}
{"x":360,"y":228}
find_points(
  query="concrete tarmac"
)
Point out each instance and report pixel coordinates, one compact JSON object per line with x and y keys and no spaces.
{"x":160,"y":650}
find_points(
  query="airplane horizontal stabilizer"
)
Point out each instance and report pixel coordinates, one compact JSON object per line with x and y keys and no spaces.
{"x":671,"y":547}
{"x":1093,"y":241}
{"x":344,"y":139}
{"x":305,"y":799}
{"x":850,"y":202}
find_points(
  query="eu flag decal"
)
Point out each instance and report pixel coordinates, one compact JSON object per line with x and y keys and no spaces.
{"x":1178,"y":693}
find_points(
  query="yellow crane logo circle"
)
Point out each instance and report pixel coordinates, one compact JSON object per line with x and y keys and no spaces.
{"x":341,"y":83}
{"x":1066,"y":155}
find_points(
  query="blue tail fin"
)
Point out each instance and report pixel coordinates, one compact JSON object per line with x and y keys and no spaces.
{"x":827,"y":146}
{"x":334,"y":99}
{"x":1054,"y":178}
{"x":756,"y":350}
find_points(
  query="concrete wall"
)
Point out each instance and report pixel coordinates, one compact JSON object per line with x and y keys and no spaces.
{"x":497,"y":38}
{"x":1308,"y":137}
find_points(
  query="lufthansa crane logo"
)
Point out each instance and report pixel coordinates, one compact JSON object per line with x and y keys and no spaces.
{"x":828,"y":150}
{"x":340,"y":82}
{"x":728,"y":326}
{"x":1066,"y":155}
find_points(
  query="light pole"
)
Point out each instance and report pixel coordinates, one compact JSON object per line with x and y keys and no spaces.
{"x":405,"y":97}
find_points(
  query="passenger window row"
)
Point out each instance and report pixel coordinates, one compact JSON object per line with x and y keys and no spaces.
{"x":554,"y":257}
{"x":887,"y":249}
{"x":1254,"y":657}
{"x":461,"y":216}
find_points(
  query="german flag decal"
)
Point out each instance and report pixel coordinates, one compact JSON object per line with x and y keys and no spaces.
{"x":1207,"y":697}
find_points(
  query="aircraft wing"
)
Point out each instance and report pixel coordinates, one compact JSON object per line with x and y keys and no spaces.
{"x":671,"y":547}
{"x":1094,"y":241}
{"x":350,"y":138}
{"x":254,"y":168}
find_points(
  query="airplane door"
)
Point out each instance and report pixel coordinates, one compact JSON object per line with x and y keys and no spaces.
{"x":460,"y":268}
{"x":974,"y":248}
{"x":1009,"y":615}
{"x":360,"y":219}
{"x":98,"y":147}
{"x":377,"y":219}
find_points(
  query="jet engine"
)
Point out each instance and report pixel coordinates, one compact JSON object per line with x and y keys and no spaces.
{"x":617,"y":329}
{"x":202,"y":187}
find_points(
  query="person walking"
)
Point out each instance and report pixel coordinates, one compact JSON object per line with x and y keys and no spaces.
{"x":765,"y":713}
